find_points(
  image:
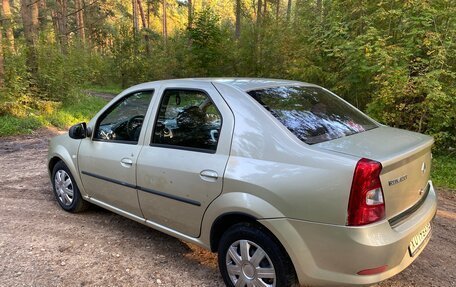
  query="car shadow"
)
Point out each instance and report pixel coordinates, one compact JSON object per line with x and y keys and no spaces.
{"x":163,"y":245}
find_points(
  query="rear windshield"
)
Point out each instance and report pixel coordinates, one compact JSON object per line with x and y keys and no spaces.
{"x":313,"y":114}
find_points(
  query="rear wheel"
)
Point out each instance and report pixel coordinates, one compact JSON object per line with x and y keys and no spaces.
{"x":65,"y":189}
{"x":249,"y":256}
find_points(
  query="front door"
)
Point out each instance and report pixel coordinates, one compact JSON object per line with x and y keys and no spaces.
{"x":181,"y":172}
{"x":107,"y":162}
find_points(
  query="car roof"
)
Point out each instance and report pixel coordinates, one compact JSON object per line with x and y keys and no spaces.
{"x":248,"y":84}
{"x":244,"y":84}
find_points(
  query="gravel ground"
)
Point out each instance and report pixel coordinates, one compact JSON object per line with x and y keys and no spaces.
{"x":41,"y":245}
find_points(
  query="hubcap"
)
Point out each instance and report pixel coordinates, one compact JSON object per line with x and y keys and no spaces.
{"x":64,"y":187}
{"x":248,"y":270}
{"x":248,"y":265}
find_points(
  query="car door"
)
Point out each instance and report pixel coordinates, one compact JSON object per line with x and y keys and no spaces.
{"x":107,"y":161}
{"x":181,"y":172}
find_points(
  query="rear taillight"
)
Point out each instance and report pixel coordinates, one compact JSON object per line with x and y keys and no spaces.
{"x":366,"y":203}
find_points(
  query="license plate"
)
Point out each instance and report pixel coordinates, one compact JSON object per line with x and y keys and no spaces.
{"x":417,"y":240}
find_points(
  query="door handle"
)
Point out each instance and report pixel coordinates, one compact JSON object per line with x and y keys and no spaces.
{"x":126,"y":162}
{"x":209,"y":175}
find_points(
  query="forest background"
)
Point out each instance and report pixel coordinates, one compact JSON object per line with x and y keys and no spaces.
{"x":393,"y":59}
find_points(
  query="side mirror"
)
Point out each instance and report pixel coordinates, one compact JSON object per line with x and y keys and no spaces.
{"x":78,"y":131}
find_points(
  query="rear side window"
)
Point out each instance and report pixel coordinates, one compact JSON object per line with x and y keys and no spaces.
{"x":311,"y":113}
{"x":187,"y":119}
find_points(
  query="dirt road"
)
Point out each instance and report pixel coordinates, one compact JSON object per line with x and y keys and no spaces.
{"x":41,"y":245}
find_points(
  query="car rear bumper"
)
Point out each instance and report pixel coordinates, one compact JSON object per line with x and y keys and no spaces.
{"x":325,"y":254}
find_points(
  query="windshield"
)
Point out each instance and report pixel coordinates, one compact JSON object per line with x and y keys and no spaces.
{"x":313,"y":114}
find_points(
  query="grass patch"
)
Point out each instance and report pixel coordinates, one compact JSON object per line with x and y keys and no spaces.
{"x":81,"y":109}
{"x":443,"y":170}
{"x":10,"y":125}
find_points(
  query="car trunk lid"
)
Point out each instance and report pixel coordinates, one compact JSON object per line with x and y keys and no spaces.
{"x":405,"y":157}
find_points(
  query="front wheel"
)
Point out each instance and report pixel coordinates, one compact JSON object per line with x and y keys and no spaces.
{"x":65,"y":189}
{"x":248,"y":256}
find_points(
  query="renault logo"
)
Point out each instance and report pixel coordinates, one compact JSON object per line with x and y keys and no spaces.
{"x":423,"y":167}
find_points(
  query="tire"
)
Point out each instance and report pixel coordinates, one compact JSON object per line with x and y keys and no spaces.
{"x":65,"y":189}
{"x":264,"y":262}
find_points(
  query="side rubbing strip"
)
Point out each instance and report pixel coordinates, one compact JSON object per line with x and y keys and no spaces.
{"x":159,"y":193}
{"x":109,"y":179}
{"x":170,"y":196}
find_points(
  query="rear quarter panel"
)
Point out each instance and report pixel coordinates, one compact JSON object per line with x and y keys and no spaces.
{"x":270,"y":163}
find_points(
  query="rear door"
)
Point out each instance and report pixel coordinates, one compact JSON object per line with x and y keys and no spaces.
{"x":180,"y":168}
{"x":107,"y":161}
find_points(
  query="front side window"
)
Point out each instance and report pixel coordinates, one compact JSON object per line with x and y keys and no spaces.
{"x":312,"y":114}
{"x":123,"y":121}
{"x":187,"y":119}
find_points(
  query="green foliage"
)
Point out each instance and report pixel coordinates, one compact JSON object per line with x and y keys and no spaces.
{"x":60,"y":74}
{"x":416,"y":88}
{"x":10,"y":125}
{"x":82,"y":109}
{"x":209,"y":45}
{"x":15,"y":77}
{"x":443,"y":167}
{"x":109,"y":88}
{"x":129,"y":59}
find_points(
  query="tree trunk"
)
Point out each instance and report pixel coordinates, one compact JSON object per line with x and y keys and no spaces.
{"x":277,"y":9}
{"x":289,"y":10}
{"x":148,"y":14}
{"x":238,"y":19}
{"x":80,"y":20}
{"x":29,"y":15}
{"x":257,"y":49}
{"x":144,"y":25}
{"x":165,"y":25}
{"x":55,"y":25}
{"x":64,"y":25}
{"x":265,"y":7}
{"x":259,"y":6}
{"x":43,"y":14}
{"x":141,"y":12}
{"x":190,"y":14}
{"x":135,"y":16}
{"x":2,"y":68}
{"x":60,"y":21}
{"x":7,"y":24}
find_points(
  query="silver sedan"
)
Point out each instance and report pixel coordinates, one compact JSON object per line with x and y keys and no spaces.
{"x":285,"y":180}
